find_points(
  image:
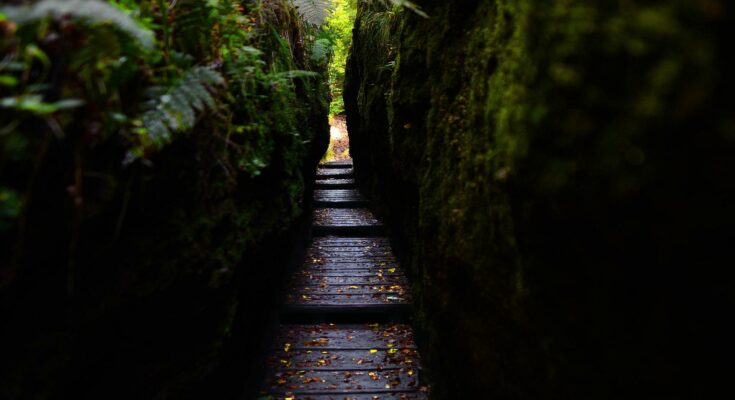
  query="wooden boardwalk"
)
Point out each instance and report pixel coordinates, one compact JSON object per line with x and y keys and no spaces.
{"x":345,"y":333}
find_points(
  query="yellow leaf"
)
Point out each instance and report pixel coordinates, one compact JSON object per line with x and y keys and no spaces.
{"x":391,"y":270}
{"x":373,"y":350}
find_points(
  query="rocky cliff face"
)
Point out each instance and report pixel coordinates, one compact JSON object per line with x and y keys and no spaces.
{"x":556,"y":178}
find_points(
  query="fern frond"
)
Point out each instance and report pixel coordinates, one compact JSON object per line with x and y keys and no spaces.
{"x":90,"y":11}
{"x":321,"y":51}
{"x":314,"y":11}
{"x":176,"y":110}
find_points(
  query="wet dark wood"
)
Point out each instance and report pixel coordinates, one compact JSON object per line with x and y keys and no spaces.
{"x":345,"y":217}
{"x":367,"y":276}
{"x":334,"y":173}
{"x":337,"y":164}
{"x":331,"y":183}
{"x":349,"y":274}
{"x":339,"y":198}
{"x":346,"y":360}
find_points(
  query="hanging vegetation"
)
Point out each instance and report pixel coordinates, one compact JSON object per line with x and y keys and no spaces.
{"x":146,"y":146}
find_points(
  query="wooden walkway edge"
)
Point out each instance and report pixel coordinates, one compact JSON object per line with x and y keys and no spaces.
{"x":345,"y":332}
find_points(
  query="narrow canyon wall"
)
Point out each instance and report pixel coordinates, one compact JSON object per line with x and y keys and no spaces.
{"x":557,"y":177}
{"x":157,"y":278}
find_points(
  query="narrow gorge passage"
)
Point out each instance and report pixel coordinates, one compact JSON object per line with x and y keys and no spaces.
{"x":210,"y":199}
{"x":344,"y":333}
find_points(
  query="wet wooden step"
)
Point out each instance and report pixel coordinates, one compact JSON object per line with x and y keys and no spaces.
{"x":337,"y":164}
{"x":334,"y":173}
{"x":355,"y":289}
{"x":346,"y":221}
{"x":350,"y":361}
{"x":339,"y":198}
{"x":332,"y":183}
{"x":352,"y":396}
{"x":355,"y":243}
{"x":350,"y":282}
{"x":349,"y":275}
{"x":343,"y":360}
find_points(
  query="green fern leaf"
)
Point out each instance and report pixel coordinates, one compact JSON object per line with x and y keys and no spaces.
{"x":176,"y":109}
{"x":155,"y":128}
{"x":90,"y":11}
{"x":314,"y":11}
{"x":321,"y":51}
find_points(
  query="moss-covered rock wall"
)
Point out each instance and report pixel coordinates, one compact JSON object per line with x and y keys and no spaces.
{"x":557,"y":177}
{"x":156,"y":278}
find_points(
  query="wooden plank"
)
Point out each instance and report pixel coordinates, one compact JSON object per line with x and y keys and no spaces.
{"x":346,"y":299}
{"x":353,"y":289}
{"x":334,"y":173}
{"x":329,"y":382}
{"x":353,"y":280}
{"x":336,"y":241}
{"x":339,"y":198}
{"x":347,"y":275}
{"x":353,"y":336}
{"x":343,"y":360}
{"x":337,"y":254}
{"x":335,"y":183}
{"x":350,"y":312}
{"x":346,"y":217}
{"x":364,"y":260}
{"x":337,"y":164}
{"x":347,"y":269}
{"x":338,"y":194}
{"x":350,"y":396}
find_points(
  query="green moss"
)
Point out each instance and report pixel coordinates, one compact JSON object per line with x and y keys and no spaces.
{"x":138,"y":276}
{"x":525,"y":154}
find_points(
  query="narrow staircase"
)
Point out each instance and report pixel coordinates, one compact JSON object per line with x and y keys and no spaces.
{"x":345,"y":332}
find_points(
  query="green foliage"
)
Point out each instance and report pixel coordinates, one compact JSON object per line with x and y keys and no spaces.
{"x":162,"y":138}
{"x":339,"y":26}
{"x":178,"y":91}
{"x":322,"y":51}
{"x":314,"y":11}
{"x":137,"y":76}
{"x":176,"y":110}
{"x":89,"y":11}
